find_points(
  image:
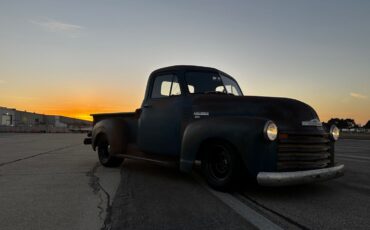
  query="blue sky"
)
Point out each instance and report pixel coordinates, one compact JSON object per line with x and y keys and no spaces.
{"x":77,"y":57}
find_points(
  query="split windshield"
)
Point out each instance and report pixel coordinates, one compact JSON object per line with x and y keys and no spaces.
{"x":211,"y":83}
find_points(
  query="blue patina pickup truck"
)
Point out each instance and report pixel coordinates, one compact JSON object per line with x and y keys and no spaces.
{"x":198,"y":114}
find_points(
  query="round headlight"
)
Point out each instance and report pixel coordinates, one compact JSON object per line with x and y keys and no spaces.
{"x":334,"y":132}
{"x":270,"y":131}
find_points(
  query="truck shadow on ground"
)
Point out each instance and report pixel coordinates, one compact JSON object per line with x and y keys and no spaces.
{"x":156,"y":175}
{"x":156,"y":197}
{"x":307,"y":190}
{"x":149,"y":172}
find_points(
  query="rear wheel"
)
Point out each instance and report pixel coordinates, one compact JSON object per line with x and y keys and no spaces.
{"x":221,"y":166}
{"x":105,"y":157}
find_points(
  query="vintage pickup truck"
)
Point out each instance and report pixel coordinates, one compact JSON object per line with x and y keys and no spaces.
{"x":199,"y":114}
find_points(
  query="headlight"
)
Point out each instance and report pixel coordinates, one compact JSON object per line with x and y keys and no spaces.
{"x":270,"y":131}
{"x":334,"y":132}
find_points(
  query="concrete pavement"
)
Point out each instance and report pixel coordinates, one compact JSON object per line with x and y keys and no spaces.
{"x":343,"y":203}
{"x":52,"y":181}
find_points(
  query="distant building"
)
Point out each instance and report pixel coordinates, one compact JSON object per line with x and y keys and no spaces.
{"x":7,"y":116}
{"x":63,"y":122}
{"x":23,"y":120}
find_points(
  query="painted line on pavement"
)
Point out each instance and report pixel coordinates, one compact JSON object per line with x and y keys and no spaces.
{"x":250,"y":215}
{"x":353,"y":157}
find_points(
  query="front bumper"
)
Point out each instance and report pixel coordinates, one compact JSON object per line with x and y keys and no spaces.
{"x":299,"y":177}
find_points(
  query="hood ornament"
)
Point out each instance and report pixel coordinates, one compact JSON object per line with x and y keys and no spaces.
{"x":313,"y":122}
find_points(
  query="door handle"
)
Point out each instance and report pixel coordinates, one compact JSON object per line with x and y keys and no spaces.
{"x":147,"y":106}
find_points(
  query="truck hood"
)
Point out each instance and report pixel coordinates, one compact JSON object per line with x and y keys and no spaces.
{"x":287,"y":113}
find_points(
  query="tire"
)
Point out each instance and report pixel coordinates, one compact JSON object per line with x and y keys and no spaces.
{"x":105,"y":158}
{"x":221,"y":166}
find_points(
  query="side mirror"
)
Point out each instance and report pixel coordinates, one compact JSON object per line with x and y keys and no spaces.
{"x":137,"y":113}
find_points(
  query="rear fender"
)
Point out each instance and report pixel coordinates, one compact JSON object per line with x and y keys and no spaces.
{"x":116,"y":131}
{"x":244,"y":133}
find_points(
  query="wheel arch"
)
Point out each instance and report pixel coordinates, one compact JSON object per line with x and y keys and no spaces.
{"x":97,"y":138}
{"x":115,"y":130}
{"x":244,"y":134}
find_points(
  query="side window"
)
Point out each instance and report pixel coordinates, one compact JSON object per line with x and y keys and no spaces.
{"x":191,"y":88}
{"x":220,"y":89}
{"x":162,"y":86}
{"x":175,"y":90}
{"x":165,"y":86}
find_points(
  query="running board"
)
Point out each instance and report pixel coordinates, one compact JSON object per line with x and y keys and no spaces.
{"x":155,"y":159}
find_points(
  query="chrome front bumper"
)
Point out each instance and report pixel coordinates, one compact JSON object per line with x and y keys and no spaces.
{"x":299,"y":177}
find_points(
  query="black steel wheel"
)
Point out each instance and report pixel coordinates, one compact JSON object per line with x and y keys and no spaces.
{"x":221,"y":166}
{"x":105,"y":157}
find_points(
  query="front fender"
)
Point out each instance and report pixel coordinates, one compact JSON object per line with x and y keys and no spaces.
{"x":116,"y":130}
{"x":244,"y":133}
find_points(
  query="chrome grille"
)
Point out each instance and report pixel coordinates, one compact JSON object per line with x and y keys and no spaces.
{"x":303,"y":152}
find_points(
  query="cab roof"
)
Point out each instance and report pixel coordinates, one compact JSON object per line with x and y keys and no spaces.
{"x":185,"y":67}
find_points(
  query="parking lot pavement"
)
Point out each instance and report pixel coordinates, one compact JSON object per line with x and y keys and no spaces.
{"x":154,"y":197}
{"x":343,"y":203}
{"x":52,"y":181}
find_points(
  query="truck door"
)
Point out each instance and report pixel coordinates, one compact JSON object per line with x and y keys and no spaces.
{"x":160,"y":119}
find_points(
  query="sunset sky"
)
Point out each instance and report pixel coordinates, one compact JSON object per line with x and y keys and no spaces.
{"x":75,"y":57}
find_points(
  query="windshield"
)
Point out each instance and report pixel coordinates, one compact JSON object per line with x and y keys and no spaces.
{"x":211,"y":83}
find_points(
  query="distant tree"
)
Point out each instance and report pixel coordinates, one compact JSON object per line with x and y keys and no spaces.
{"x":367,"y":126}
{"x":343,"y":123}
{"x":351,"y":123}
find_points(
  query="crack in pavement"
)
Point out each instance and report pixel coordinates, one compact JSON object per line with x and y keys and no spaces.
{"x":38,"y":154}
{"x":98,"y":190}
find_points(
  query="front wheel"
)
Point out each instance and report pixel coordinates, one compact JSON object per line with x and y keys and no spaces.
{"x":105,"y":157}
{"x":221,"y":166}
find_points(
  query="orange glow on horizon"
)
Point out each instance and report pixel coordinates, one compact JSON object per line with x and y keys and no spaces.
{"x":83,"y":112}
{"x":77,"y":108}
{"x":82,"y":102}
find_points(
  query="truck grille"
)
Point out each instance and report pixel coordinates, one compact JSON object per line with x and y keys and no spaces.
{"x":303,"y":152}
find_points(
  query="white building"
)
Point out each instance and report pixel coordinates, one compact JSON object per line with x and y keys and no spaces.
{"x":26,"y":120}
